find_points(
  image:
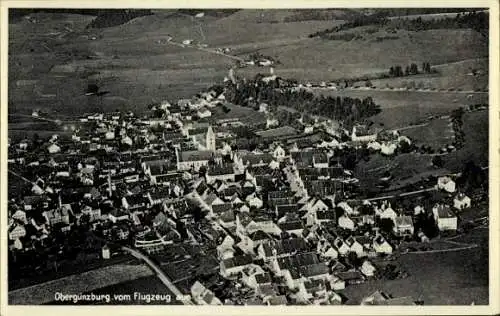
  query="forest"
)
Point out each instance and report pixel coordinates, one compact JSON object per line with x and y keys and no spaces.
{"x":254,"y":92}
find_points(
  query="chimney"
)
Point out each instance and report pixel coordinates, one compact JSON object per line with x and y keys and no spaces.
{"x":271,"y":70}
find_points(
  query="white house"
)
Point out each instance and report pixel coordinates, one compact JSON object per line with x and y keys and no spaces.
{"x":368,"y":269}
{"x":345,"y":222}
{"x":461,"y":201}
{"x":444,"y":217}
{"x":380,"y":245}
{"x":447,"y":184}
{"x":279,"y":153}
{"x":53,"y":149}
{"x":203,"y":296}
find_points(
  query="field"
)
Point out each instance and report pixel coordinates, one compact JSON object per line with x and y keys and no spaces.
{"x":61,"y":57}
{"x":78,"y":283}
{"x":450,"y":278}
{"x":475,"y":149}
{"x":437,"y":134}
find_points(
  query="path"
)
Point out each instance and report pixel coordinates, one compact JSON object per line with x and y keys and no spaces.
{"x":205,"y":50}
{"x":161,"y":275}
{"x":402,"y":194}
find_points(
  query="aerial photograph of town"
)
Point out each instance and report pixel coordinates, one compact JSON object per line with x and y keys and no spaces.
{"x":333,"y":156}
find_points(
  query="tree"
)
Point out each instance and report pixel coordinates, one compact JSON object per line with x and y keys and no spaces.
{"x":386,"y":225}
{"x":438,"y":161}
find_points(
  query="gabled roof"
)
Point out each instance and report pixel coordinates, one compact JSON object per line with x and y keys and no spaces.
{"x":195,"y":155}
{"x":237,"y":261}
{"x":288,"y":226}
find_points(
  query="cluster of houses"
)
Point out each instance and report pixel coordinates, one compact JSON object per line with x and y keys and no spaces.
{"x":282,"y":209}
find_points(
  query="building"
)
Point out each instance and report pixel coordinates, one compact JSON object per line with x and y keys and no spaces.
{"x":403,"y":226}
{"x":203,"y":296}
{"x":193,"y":160}
{"x":446,"y":184}
{"x":445,"y":218}
{"x":461,"y":201}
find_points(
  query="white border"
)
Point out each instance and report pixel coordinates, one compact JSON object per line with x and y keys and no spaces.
{"x":494,"y":295}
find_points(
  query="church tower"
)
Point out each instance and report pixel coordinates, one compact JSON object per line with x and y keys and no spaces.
{"x":210,"y":139}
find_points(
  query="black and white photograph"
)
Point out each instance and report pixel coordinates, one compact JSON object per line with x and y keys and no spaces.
{"x":331,"y":156}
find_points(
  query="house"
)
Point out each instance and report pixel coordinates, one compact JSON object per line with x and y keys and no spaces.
{"x":187,"y":160}
{"x":368,"y":269}
{"x":234,"y":265}
{"x":341,"y":246}
{"x":272,"y":249}
{"x":53,"y":149}
{"x":346,"y":222}
{"x":325,"y":250}
{"x":279,"y":153}
{"x":381,"y":298}
{"x":225,"y":250}
{"x":446,"y":184}
{"x":223,"y":172}
{"x":320,"y":160}
{"x":292,"y":227}
{"x":203,"y":113}
{"x":133,"y":202}
{"x":16,"y":231}
{"x":445,"y":218}
{"x":351,"y":277}
{"x":360,"y":133}
{"x":461,"y":201}
{"x":203,"y":296}
{"x":380,"y":245}
{"x":254,"y":201}
{"x":386,"y":212}
{"x":403,"y":226}
{"x":355,"y":246}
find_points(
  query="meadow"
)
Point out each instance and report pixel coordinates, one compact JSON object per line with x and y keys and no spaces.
{"x":136,"y":69}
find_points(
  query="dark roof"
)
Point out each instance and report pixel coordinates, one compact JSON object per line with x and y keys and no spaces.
{"x":298,"y":260}
{"x":195,"y":155}
{"x":237,"y":261}
{"x":326,"y":215}
{"x":285,"y":246}
{"x":263,"y":278}
{"x":350,"y":275}
{"x":220,"y":208}
{"x":255,"y":159}
{"x":259,"y":235}
{"x":283,"y":209}
{"x":287,"y":226}
{"x":220,"y":169}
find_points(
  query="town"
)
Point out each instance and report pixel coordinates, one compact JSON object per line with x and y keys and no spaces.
{"x":231,"y":209}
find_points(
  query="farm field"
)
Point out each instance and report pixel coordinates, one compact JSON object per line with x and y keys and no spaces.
{"x":128,"y":61}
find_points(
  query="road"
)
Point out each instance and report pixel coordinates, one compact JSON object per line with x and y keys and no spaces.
{"x":161,"y":275}
{"x":206,"y":50}
{"x":402,"y":194}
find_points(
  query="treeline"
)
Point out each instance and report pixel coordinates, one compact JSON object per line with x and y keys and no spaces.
{"x":113,"y":17}
{"x":457,"y":124}
{"x":379,"y":18}
{"x":477,"y":21}
{"x":253,"y":92}
{"x":412,"y":69}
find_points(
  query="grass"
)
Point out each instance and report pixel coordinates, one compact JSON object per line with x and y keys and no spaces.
{"x":452,"y":278}
{"x":78,"y":283}
{"x":403,"y":108}
{"x":437,"y":134}
{"x":476,"y":131}
{"x":128,"y":62}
